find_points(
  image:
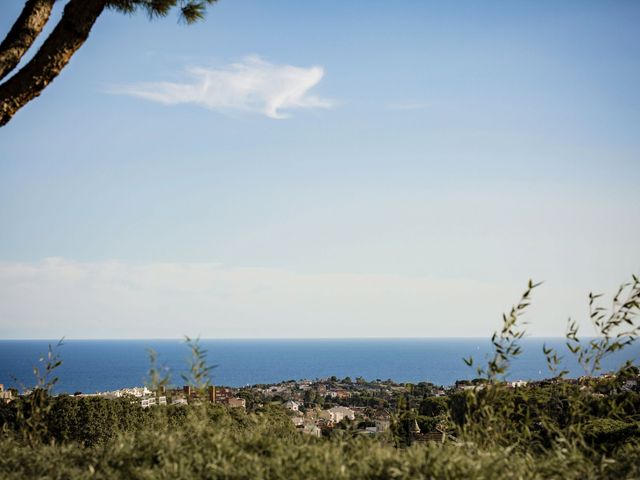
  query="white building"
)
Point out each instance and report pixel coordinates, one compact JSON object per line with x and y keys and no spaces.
{"x":5,"y":395}
{"x":337,"y":414}
{"x":152,"y":401}
{"x":139,"y":392}
{"x":291,"y":405}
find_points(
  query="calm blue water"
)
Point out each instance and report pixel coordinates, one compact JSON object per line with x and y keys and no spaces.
{"x":99,"y":365}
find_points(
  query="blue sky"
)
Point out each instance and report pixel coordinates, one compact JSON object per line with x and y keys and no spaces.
{"x":434,"y":158}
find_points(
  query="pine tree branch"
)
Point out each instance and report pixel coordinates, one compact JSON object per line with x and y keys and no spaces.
{"x":23,"y":33}
{"x":67,"y":37}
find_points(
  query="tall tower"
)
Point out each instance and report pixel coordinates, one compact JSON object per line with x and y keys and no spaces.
{"x":187,"y":392}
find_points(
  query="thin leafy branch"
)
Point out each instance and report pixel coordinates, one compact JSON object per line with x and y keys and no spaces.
{"x":158,"y":376}
{"x":36,"y":404}
{"x":199,"y":375}
{"x":614,"y":329}
{"x":506,"y":341}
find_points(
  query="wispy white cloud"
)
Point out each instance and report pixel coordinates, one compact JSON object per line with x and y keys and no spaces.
{"x":251,"y":85}
{"x":408,"y":106}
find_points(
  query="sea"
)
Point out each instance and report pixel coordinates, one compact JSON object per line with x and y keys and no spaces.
{"x":90,"y":366}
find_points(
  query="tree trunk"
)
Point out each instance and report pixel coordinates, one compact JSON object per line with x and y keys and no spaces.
{"x":67,"y":37}
{"x":23,"y":33}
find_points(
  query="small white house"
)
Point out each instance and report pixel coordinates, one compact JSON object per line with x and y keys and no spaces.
{"x":518,"y":384}
{"x":337,"y":414}
{"x":291,"y":405}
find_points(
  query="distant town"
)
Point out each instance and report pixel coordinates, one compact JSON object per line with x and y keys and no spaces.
{"x":318,"y":407}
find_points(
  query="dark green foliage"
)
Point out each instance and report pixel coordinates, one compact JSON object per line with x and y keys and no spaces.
{"x":459,"y":406}
{"x":607,"y":433}
{"x":190,"y":10}
{"x":7,"y":414}
{"x":93,"y":420}
{"x":428,"y":424}
{"x":433,"y":406}
{"x":31,"y":412}
{"x":265,"y":446}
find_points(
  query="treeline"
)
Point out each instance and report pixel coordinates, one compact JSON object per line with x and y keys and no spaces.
{"x":91,"y":421}
{"x":117,"y":439}
{"x":602,"y":414}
